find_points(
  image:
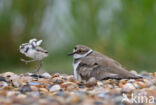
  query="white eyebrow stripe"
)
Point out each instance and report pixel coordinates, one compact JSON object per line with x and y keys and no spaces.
{"x":76,"y":56}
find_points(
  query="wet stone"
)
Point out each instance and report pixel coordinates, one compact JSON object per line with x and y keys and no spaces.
{"x":25,"y":88}
{"x":34,"y":83}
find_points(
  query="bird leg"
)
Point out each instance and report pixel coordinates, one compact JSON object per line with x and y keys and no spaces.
{"x":37,"y":70}
{"x":27,"y":61}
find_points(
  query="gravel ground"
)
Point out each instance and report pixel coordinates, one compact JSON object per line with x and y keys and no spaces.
{"x":62,"y":89}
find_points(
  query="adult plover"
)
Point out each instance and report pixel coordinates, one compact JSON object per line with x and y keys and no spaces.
{"x":88,"y":63}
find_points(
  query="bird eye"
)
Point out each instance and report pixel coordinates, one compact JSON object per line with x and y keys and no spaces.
{"x":79,"y":51}
{"x":75,"y":48}
{"x":22,"y":47}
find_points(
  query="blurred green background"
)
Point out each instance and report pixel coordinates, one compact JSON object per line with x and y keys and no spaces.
{"x":122,"y":29}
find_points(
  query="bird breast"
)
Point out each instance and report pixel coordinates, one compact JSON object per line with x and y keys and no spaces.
{"x":75,"y":65}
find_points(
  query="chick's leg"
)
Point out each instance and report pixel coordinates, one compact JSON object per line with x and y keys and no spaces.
{"x":37,"y":70}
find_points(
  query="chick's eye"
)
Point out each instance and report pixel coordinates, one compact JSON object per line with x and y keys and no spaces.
{"x":22,"y":47}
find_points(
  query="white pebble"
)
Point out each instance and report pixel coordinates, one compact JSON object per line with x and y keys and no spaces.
{"x":46,"y":75}
{"x":55,"y":88}
{"x":128,"y":88}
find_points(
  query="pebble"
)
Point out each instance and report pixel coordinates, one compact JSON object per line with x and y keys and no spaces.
{"x":58,"y":89}
{"x":55,"y":88}
{"x":55,"y":75}
{"x":91,"y":82}
{"x":128,"y":88}
{"x":44,"y":90}
{"x":134,"y":72}
{"x":11,"y":93}
{"x":34,"y":83}
{"x":57,"y":80}
{"x":3,"y":84}
{"x":8,"y":74}
{"x":70,"y":78}
{"x":46,"y":75}
{"x":141,"y":84}
{"x":99,"y":83}
{"x":25,"y":88}
{"x":2,"y":79}
{"x":35,"y":75}
{"x":70,"y":86}
{"x":34,"y":88}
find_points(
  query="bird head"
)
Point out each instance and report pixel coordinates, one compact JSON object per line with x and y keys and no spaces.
{"x":80,"y":51}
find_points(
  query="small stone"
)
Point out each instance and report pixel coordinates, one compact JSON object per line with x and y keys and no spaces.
{"x":141,"y":84}
{"x":60,"y":93}
{"x":134,"y":72}
{"x":3,"y":84}
{"x":8,"y":74}
{"x":70,"y":78}
{"x":11,"y":93}
{"x":35,"y":75}
{"x":135,"y":85}
{"x":34,"y":88}
{"x":155,"y":74}
{"x":91,"y":82}
{"x":103,"y":95}
{"x":44,"y":90}
{"x":115,"y":91}
{"x":153,"y":81}
{"x":108,"y":86}
{"x":34,"y":83}
{"x":57,"y":80}
{"x":75,"y":99}
{"x":99,"y":83}
{"x":17,"y":82}
{"x":21,"y":96}
{"x":128,"y":87}
{"x":46,"y":75}
{"x":55,"y":75}
{"x":2,"y":79}
{"x":55,"y":88}
{"x":25,"y":88}
{"x":34,"y":94}
{"x":69,"y":86}
{"x":3,"y":93}
{"x":146,"y":75}
{"x":26,"y":79}
{"x":122,"y":83}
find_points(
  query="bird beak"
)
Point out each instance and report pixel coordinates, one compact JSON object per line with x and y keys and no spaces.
{"x":71,"y":54}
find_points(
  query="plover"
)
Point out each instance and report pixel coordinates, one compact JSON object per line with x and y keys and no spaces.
{"x":34,"y":51}
{"x":88,"y":63}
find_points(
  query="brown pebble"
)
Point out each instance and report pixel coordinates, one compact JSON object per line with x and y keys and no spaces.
{"x":57,"y":80}
{"x":91,"y":82}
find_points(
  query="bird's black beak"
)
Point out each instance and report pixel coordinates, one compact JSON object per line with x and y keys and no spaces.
{"x":71,"y":54}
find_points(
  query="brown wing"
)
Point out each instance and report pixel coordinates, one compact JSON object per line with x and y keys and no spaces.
{"x":105,"y":59}
{"x":102,"y":68}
